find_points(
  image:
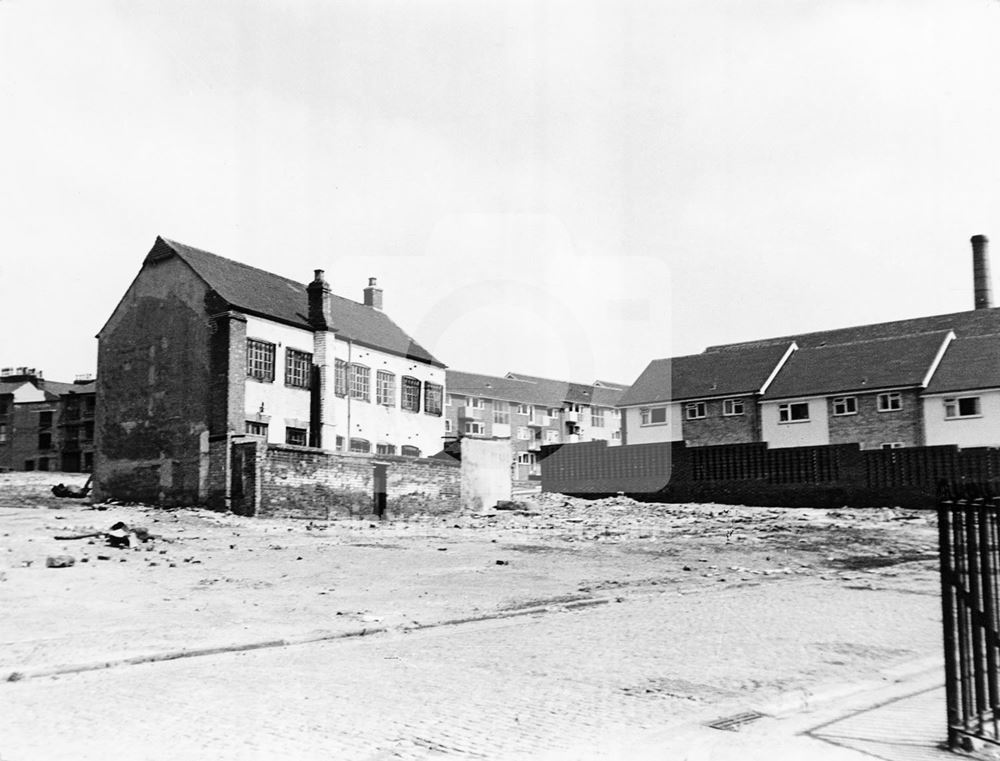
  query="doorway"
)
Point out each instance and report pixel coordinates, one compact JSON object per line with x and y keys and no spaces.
{"x":379,"y":491}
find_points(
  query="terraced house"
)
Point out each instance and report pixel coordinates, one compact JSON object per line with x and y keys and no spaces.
{"x":531,"y":412}
{"x":202,"y":351}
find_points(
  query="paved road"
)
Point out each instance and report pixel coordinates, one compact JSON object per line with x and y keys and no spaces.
{"x":588,"y":679}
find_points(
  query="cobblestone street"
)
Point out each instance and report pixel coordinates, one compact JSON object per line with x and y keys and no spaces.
{"x":676,"y":621}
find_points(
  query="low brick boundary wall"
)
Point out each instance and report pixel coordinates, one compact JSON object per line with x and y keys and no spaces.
{"x":284,"y":481}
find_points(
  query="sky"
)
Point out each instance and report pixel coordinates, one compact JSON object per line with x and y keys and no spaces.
{"x":566,"y":189}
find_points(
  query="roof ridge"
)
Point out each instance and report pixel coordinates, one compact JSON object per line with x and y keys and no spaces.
{"x":238,"y":263}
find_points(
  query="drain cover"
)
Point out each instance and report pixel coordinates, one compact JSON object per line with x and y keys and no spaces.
{"x":733,"y":723}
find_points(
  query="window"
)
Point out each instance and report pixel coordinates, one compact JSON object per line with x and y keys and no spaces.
{"x":411,"y":394}
{"x":526,"y":458}
{"x":475,"y":402}
{"x":88,"y":432}
{"x":447,"y":425}
{"x":385,"y":388}
{"x":732,"y":407}
{"x":616,"y":435}
{"x":653,"y":415}
{"x":597,"y":417}
{"x":43,"y":463}
{"x":845,"y":405}
{"x":432,"y":398}
{"x":893,"y":445}
{"x":385,"y":449}
{"x":539,"y":417}
{"x":256,"y":429}
{"x":296,"y":436}
{"x":298,"y":365}
{"x":4,"y":408}
{"x":523,"y":433}
{"x":501,"y":413}
{"x":694,"y":410}
{"x":890,"y":402}
{"x":45,"y":441}
{"x":29,"y":464}
{"x":340,"y":377}
{"x":360,"y":446}
{"x":408,"y":451}
{"x":3,"y":431}
{"x":475,"y":428}
{"x":361,"y":383}
{"x":962,"y":406}
{"x":523,"y":409}
{"x":260,"y":360}
{"x":45,"y":419}
{"x":796,"y":412}
{"x":340,"y":444}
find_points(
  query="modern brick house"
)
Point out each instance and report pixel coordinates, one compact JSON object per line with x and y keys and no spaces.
{"x":702,"y":399}
{"x":531,"y":412}
{"x":45,"y":425}
{"x":961,"y":405}
{"x":203,"y":351}
{"x":867,"y":392}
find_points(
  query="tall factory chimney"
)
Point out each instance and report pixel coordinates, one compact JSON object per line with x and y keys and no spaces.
{"x":981,"y":284}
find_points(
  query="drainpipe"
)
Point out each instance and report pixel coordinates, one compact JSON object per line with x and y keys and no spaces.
{"x":347,"y":439}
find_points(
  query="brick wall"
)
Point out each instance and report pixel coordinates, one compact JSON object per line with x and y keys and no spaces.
{"x":716,"y":428}
{"x":871,"y":428}
{"x":301,"y":482}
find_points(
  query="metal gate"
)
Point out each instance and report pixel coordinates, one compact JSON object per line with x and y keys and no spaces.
{"x":969,"y":535}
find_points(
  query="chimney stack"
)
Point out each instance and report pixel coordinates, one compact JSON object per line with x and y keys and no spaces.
{"x":982,"y":287}
{"x":320,"y":298}
{"x":373,"y":295}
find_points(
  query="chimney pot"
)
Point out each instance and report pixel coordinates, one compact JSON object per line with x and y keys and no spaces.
{"x":981,"y":284}
{"x":373,"y":294}
{"x":320,"y":303}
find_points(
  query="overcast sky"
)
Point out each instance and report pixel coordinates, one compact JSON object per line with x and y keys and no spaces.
{"x":567,"y":189}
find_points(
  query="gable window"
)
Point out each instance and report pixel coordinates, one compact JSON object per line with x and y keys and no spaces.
{"x":296,"y":436}
{"x":385,"y":449}
{"x":845,"y":405}
{"x":340,"y":377}
{"x":260,"y":360}
{"x":695,"y":410}
{"x":360,"y":446}
{"x":653,"y":415}
{"x":256,"y":429}
{"x":297,"y":368}
{"x":408,"y":451}
{"x":732,"y":407}
{"x":411,"y":394}
{"x":597,"y":417}
{"x":432,"y":398}
{"x":501,"y":413}
{"x":795,"y":412}
{"x":361,"y":383}
{"x":385,"y":388}
{"x":890,"y":402}
{"x":962,"y":406}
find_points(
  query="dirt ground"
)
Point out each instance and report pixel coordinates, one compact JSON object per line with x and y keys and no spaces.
{"x":209,"y":579}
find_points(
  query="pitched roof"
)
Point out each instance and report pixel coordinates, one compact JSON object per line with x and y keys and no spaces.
{"x":528,"y":389}
{"x":265,"y":294}
{"x":968,"y":363}
{"x":576,"y":393}
{"x":975,"y":322}
{"x":862,"y":366}
{"x":706,"y":375}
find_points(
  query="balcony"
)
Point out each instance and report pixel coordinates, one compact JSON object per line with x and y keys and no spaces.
{"x":534,"y":446}
{"x":571,"y":417}
{"x":471,"y":413}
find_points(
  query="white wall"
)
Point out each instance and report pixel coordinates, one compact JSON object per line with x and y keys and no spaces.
{"x":389,"y":425}
{"x":288,"y":406}
{"x":814,"y":432}
{"x":285,"y":406}
{"x":646,"y":434}
{"x":981,"y":431}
